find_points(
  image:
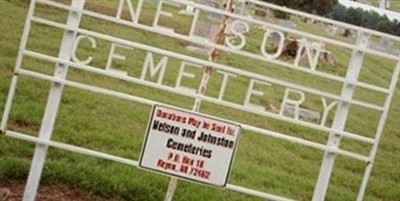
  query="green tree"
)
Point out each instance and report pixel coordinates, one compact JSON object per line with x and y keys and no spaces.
{"x":319,"y":7}
{"x":367,"y":19}
{"x":354,"y":16}
{"x":385,"y":25}
{"x":397,"y":27}
{"x":338,"y":13}
{"x":370,"y":19}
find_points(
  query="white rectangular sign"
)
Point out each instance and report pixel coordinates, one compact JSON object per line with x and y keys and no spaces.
{"x":189,"y":145}
{"x":197,"y":147}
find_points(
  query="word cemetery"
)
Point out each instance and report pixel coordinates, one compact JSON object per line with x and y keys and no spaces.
{"x":252,"y":67}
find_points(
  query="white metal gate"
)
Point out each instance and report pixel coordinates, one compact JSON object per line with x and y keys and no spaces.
{"x":73,"y":34}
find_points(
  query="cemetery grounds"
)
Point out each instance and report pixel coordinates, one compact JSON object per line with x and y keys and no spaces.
{"x":118,"y":127}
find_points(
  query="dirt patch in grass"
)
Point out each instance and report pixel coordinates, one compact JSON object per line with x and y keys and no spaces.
{"x":15,"y":189}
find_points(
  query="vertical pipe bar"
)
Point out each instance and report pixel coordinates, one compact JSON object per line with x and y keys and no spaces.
{"x":195,"y":18}
{"x":173,"y":182}
{"x":159,"y":6}
{"x":138,"y":11}
{"x":379,"y":132}
{"x":18,"y":64}
{"x":53,"y":103}
{"x":339,"y":122}
{"x":219,"y":39}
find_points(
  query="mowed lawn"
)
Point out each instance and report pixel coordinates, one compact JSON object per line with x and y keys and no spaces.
{"x":117,"y":127}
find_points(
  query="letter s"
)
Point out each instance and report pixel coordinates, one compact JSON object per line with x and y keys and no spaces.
{"x":237,"y":33}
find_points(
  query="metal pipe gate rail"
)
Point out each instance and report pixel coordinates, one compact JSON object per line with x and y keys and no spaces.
{"x":73,"y":34}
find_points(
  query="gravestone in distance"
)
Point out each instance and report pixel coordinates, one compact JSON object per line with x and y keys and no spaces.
{"x":206,"y":31}
{"x":212,"y":16}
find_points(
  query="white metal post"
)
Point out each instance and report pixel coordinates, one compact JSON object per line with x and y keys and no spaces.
{"x":219,"y":39}
{"x":337,"y":131}
{"x":339,"y":122}
{"x":53,"y":102}
{"x":18,"y":63}
{"x":379,"y":131}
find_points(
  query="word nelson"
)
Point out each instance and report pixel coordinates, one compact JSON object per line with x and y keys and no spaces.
{"x":155,"y":67}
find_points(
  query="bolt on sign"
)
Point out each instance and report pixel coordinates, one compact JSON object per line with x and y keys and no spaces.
{"x":189,"y":145}
{"x":272,"y":71}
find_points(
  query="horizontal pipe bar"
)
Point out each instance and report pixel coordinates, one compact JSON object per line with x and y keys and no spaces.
{"x":213,"y":100}
{"x":151,"y":103}
{"x":220,"y":47}
{"x":315,"y":145}
{"x":253,"y":21}
{"x":256,"y":193}
{"x":212,"y":64}
{"x":125,"y":161}
{"x":277,"y":27}
{"x":209,"y":99}
{"x":71,"y":148}
{"x":323,"y":19}
{"x":193,"y":40}
{"x":379,"y":132}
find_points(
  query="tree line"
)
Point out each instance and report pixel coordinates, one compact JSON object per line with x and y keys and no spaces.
{"x":336,"y":11}
{"x":367,"y":19}
{"x":317,"y":7}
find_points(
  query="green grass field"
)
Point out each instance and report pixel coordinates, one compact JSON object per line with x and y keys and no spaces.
{"x":117,"y":126}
